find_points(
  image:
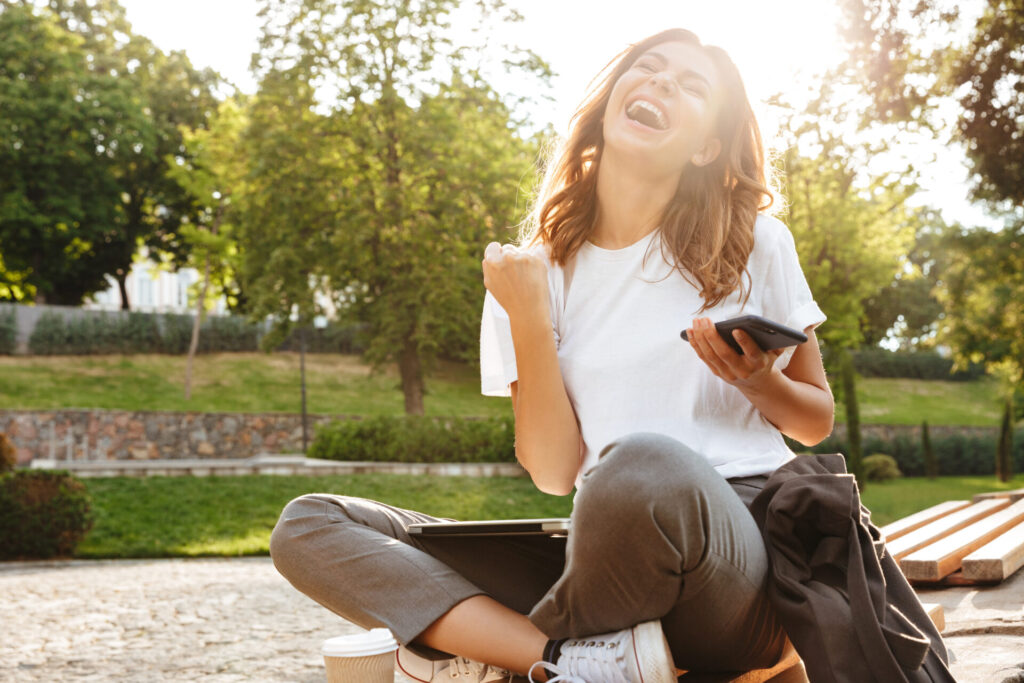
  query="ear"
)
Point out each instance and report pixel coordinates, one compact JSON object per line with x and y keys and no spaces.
{"x":708,"y":153}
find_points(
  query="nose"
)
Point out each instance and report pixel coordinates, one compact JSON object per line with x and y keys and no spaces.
{"x":661,"y":82}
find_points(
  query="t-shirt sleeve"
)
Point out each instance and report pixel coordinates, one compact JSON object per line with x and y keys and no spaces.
{"x":497,"y":355}
{"x":787,"y":297}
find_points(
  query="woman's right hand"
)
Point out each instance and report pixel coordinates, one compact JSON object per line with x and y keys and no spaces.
{"x":517,"y":279}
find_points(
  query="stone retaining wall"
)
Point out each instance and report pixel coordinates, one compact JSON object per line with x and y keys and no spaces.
{"x":64,"y":435}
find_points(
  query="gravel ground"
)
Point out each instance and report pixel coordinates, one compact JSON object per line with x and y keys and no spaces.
{"x":160,"y":620}
{"x":238,"y":620}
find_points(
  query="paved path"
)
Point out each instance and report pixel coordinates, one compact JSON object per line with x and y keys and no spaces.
{"x":159,"y":620}
{"x":238,"y":620}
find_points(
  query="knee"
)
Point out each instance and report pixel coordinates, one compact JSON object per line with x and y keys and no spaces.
{"x":292,"y":535}
{"x":647,"y":459}
{"x":646,"y":467}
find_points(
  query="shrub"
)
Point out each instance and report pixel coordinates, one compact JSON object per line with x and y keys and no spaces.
{"x":955,"y":454}
{"x":875,"y":362}
{"x":42,"y":514}
{"x":416,"y":439}
{"x":8,"y":331}
{"x":880,"y":467}
{"x":8,"y":456}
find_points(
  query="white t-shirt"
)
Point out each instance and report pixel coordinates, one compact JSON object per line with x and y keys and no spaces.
{"x":627,"y":370}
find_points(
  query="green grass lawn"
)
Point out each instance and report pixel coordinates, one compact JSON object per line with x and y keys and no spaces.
{"x":186,"y":516}
{"x":342,"y":384}
{"x":232,"y":382}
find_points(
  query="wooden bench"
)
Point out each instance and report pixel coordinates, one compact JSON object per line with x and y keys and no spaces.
{"x":961,"y":542}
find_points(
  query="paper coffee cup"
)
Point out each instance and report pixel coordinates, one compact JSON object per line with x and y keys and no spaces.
{"x":361,"y":658}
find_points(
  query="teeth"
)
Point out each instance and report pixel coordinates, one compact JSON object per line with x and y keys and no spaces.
{"x":647,"y":106}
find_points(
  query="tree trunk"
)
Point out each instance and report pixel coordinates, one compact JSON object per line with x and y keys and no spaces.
{"x":412,"y":378}
{"x":855,"y":457}
{"x":1004,"y":451}
{"x":193,"y":345}
{"x":931,"y":467}
{"x":122,"y":287}
{"x":302,"y":374}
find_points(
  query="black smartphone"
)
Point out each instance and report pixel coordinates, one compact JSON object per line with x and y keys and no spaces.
{"x":766,"y":333}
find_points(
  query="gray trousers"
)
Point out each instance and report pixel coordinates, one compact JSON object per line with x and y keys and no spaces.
{"x":656,"y":534}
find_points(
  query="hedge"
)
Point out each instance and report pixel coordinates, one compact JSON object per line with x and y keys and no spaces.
{"x":133,"y":332}
{"x":42,"y":514}
{"x":912,"y":365}
{"x":956,"y":454}
{"x":8,"y":330}
{"x":416,"y":439}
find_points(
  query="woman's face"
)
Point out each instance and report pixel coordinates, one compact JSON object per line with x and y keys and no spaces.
{"x":662,"y":110}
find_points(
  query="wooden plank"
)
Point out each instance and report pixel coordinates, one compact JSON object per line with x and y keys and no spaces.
{"x":1014,"y":495}
{"x":935,"y":613}
{"x":999,"y":559}
{"x":955,"y":579}
{"x":902,"y":527}
{"x":943,"y":557}
{"x":944,"y":526}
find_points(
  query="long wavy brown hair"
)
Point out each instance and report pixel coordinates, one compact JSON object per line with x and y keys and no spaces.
{"x":708,"y":226}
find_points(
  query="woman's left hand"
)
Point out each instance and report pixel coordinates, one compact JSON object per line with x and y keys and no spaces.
{"x":746,"y":371}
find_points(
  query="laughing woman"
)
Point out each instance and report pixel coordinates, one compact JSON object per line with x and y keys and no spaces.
{"x":650,"y":222}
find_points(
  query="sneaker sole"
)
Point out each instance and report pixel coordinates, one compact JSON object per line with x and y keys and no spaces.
{"x":653,"y":657}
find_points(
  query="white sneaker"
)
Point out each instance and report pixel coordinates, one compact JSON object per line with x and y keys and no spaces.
{"x":419,"y":668}
{"x":634,"y":655}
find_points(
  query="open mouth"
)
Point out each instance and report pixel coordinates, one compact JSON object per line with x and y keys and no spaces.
{"x":647,"y":114}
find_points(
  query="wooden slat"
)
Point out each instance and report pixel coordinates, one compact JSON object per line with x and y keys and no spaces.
{"x":998,"y":559}
{"x":935,"y":613}
{"x":902,"y":527}
{"x":944,"y":526}
{"x":1014,"y":495}
{"x":943,"y":557}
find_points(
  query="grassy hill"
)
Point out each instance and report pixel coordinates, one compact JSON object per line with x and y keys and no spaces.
{"x":342,"y":384}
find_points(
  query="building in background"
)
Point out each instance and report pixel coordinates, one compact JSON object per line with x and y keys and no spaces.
{"x":152,"y":289}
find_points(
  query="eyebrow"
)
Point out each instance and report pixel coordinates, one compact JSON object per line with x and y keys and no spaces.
{"x":688,"y":73}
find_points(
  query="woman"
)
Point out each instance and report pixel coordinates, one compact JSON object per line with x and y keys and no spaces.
{"x":648,"y":224}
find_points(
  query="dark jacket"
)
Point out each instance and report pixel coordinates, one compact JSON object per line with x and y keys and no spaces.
{"x":839,"y":594}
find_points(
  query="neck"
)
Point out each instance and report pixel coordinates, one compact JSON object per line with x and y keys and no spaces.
{"x":629,"y":202}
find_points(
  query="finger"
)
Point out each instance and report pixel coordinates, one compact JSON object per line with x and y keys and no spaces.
{"x":719,"y":346}
{"x":493,"y":252}
{"x":702,"y":342}
{"x":751,"y":350}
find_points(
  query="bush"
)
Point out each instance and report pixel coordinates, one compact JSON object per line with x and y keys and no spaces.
{"x":8,"y":456}
{"x":8,"y":331}
{"x":880,"y":467}
{"x":42,"y":514}
{"x":955,"y":454}
{"x":876,"y":362}
{"x":416,"y":439}
{"x":345,"y":338}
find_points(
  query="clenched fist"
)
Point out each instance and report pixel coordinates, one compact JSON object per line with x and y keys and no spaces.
{"x":517,"y":279}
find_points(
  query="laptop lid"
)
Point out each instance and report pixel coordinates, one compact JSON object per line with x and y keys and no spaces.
{"x":552,"y":526}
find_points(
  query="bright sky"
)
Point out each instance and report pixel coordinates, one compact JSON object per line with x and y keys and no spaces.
{"x":778,"y":45}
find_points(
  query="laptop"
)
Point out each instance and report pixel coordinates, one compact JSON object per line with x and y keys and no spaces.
{"x":552,"y":526}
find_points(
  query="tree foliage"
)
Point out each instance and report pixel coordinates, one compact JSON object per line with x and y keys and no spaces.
{"x":407,"y":163}
{"x":88,"y":200}
{"x":67,"y":128}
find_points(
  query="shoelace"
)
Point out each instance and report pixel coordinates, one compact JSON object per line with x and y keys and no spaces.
{"x":587,"y":661}
{"x":460,"y":666}
{"x":561,"y":675}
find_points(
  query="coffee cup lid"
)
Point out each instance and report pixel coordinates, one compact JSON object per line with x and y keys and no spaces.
{"x":373,"y":642}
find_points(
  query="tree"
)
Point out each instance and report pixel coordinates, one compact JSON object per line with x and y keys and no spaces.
{"x":983,"y":293}
{"x":67,"y":129}
{"x":213,"y":174}
{"x":125,"y":101}
{"x":851,"y":231}
{"x":411,"y":165}
{"x":173,"y":95}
